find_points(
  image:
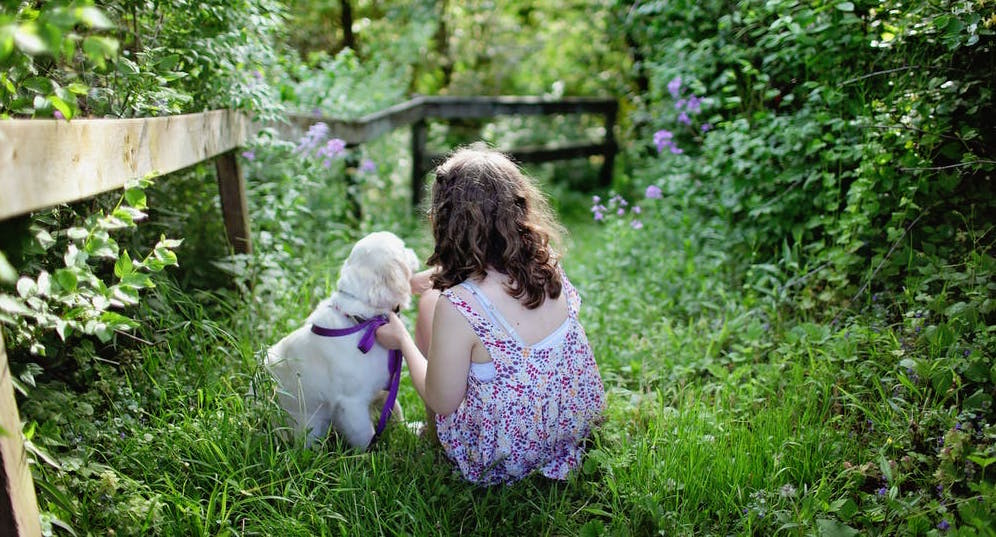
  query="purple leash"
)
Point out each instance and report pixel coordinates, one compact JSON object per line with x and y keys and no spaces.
{"x":366,"y":343}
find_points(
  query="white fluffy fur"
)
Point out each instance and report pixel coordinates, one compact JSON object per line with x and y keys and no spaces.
{"x":326,"y":381}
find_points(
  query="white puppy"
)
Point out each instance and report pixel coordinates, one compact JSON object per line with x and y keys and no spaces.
{"x":324,"y":380}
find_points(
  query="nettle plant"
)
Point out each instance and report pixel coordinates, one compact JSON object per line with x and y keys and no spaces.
{"x":82,"y":296}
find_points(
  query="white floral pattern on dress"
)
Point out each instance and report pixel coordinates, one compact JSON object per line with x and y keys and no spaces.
{"x":538,"y":410}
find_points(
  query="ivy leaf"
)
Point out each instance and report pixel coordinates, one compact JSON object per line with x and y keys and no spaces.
{"x":136,"y":198}
{"x":45,"y":239}
{"x":7,"y":272}
{"x":26,"y":287}
{"x":10,"y":305}
{"x":77,"y":233}
{"x":116,"y":321}
{"x":124,"y":265}
{"x":137,"y":280}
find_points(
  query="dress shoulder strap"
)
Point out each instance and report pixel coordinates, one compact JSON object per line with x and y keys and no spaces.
{"x":481,"y":324}
{"x":571,"y":292}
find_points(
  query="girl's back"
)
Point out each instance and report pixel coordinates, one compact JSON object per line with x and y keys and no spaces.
{"x":533,"y":391}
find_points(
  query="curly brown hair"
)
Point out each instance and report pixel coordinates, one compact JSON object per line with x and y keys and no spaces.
{"x":486,"y":213}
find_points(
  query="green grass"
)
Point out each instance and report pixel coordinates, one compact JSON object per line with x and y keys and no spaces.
{"x":726,"y":415}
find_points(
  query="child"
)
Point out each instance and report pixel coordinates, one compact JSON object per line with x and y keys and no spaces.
{"x":510,"y":383}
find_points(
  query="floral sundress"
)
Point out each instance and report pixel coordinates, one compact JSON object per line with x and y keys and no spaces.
{"x":536,"y":409}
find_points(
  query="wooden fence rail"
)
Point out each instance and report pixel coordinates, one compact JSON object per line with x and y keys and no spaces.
{"x":48,"y":162}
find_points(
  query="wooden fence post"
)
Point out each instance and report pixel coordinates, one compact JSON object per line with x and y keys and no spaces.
{"x":234,"y":203}
{"x":419,"y":159}
{"x":605,"y":175}
{"x":353,"y":188}
{"x":18,"y":504}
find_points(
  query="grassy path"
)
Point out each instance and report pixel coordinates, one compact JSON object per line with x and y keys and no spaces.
{"x":722,"y":419}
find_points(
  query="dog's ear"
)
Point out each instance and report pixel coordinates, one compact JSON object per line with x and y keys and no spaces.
{"x":396,"y":277}
{"x":378,"y":273}
{"x":412,"y":260}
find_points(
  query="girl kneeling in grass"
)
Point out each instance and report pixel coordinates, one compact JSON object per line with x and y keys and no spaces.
{"x":511,"y":384}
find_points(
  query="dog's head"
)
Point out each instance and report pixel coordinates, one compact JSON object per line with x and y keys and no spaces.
{"x":375,"y":277}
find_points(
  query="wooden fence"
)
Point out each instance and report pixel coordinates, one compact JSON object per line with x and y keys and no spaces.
{"x":48,"y":162}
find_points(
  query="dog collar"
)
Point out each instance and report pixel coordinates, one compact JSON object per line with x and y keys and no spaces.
{"x":369,"y":328}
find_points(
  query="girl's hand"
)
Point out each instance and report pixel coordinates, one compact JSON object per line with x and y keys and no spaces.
{"x":420,"y":281}
{"x":393,"y":334}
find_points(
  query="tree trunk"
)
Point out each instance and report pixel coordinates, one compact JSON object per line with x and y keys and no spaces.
{"x":348,"y":39}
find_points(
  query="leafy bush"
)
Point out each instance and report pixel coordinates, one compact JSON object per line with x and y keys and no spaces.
{"x":834,"y":126}
{"x":123,"y":59}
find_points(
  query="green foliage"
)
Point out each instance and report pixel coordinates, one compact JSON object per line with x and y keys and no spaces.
{"x":127,"y":58}
{"x":81,"y":296}
{"x":36,"y":44}
{"x":795,"y":335}
{"x":836,"y":125}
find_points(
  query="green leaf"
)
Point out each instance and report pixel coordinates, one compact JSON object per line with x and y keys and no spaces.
{"x":98,"y":48}
{"x":62,"y":106}
{"x":77,"y":233}
{"x":38,"y":84}
{"x":137,"y":280}
{"x":27,"y":40}
{"x":984,"y":462}
{"x":66,"y":279}
{"x":832,"y":528}
{"x":123,"y":266}
{"x":116,"y":321}
{"x":978,"y":401}
{"x":77,"y":89}
{"x":6,"y":41}
{"x":846,"y":6}
{"x":7,"y":272}
{"x":169,"y":62}
{"x":136,"y":198}
{"x":26,"y":287}
{"x":95,"y":18}
{"x":845,"y":508}
{"x":941,"y":380}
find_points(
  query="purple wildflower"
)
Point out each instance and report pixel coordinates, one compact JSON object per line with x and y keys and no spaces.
{"x":316,"y":133}
{"x":332,"y":149}
{"x":636,"y":209}
{"x":58,"y":114}
{"x":596,"y":199}
{"x":706,"y":127}
{"x":684,"y":119}
{"x":674,"y":87}
{"x":679,"y":104}
{"x":368,"y":166}
{"x":249,"y":155}
{"x":636,"y":224}
{"x":676,"y":150}
{"x":693,"y":105}
{"x":653,"y":192}
{"x":881,"y":491}
{"x":621,"y":211}
{"x":944,"y":525}
{"x":662,"y":139}
{"x":599,"y":216}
